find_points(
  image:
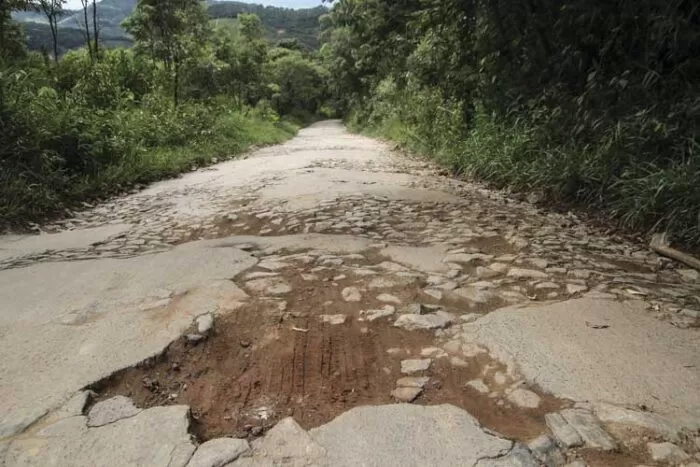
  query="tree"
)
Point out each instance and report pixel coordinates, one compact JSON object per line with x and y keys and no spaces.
{"x":53,"y":9}
{"x":598,"y":101}
{"x":93,"y":47}
{"x":290,"y":44}
{"x":242,"y":52}
{"x":96,"y":29}
{"x":86,"y":24}
{"x":173,"y":32}
{"x":11,"y":40}
{"x":250,"y":27}
{"x":300,"y":84}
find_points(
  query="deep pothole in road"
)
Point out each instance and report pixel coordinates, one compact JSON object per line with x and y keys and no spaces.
{"x":306,"y":345}
{"x":278,"y":355}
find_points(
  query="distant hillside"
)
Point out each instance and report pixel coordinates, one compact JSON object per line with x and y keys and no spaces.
{"x":70,"y":34}
{"x":35,"y":17}
{"x":39,"y":37}
{"x":281,"y":23}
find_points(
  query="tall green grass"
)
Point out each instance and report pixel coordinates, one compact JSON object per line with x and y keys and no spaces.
{"x":635,"y":193}
{"x":28,"y":195}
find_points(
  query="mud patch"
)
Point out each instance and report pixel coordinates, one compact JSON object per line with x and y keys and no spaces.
{"x":633,"y":458}
{"x":275,"y":357}
{"x":256,"y":371}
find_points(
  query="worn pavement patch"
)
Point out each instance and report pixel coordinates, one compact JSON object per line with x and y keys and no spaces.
{"x":407,"y":435}
{"x":67,"y":325}
{"x":155,"y":437}
{"x":599,"y":351}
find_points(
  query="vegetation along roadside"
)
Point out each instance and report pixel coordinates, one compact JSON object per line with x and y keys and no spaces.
{"x":96,"y":120}
{"x":587,"y":103}
{"x":592,"y":103}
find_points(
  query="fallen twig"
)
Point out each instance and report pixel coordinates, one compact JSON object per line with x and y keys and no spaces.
{"x":299,"y":329}
{"x":597,"y":326}
{"x":659,"y":243}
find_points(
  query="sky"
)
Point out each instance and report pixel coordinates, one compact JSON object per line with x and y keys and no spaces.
{"x":75,"y":4}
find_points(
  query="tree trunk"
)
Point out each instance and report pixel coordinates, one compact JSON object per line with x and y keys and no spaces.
{"x":2,"y":30}
{"x":3,"y":18}
{"x":54,"y":33}
{"x":176,"y":90}
{"x":52,"y":9}
{"x":87,"y":30}
{"x":96,"y":30}
{"x":659,"y":243}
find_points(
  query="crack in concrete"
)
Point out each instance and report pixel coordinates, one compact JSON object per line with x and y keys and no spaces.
{"x":501,"y":454}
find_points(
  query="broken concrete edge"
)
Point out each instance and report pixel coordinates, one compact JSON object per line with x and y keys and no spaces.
{"x":509,"y":361}
{"x":338,"y":244}
{"x":660,"y":425}
{"x":218,"y":452}
{"x":408,"y":434}
{"x":504,"y":453}
{"x":517,"y":455}
{"x":39,"y":421}
{"x":335,"y":244}
{"x":222,"y":451}
{"x":606,"y":412}
{"x":10,"y":429}
{"x":214,"y":453}
{"x":671,"y":434}
{"x":76,"y":404}
{"x":665,"y":426}
{"x":156,"y":436}
{"x":22,"y":245}
{"x":111,"y":410}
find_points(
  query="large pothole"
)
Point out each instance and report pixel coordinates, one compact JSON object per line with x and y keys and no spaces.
{"x":276,"y":356}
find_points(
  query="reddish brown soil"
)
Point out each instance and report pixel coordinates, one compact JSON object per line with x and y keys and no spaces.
{"x":273,"y":358}
{"x":596,"y":458}
{"x":265,"y":362}
{"x":225,"y":228}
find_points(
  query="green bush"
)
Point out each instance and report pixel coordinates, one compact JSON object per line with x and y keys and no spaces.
{"x":593,"y":103}
{"x":640,"y":194}
{"x":99,"y":132}
{"x":91,"y":123}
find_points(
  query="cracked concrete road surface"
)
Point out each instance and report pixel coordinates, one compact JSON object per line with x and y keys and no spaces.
{"x":330,"y":301}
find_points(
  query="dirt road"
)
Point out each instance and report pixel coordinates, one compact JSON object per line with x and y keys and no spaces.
{"x":332,"y":302}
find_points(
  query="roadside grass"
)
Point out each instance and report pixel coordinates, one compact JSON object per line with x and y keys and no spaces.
{"x":233,"y":132}
{"x":637,"y":195}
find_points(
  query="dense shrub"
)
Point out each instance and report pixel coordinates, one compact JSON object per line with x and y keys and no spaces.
{"x":106,"y":129}
{"x":59,"y":148}
{"x":596,"y":103}
{"x":91,"y":124}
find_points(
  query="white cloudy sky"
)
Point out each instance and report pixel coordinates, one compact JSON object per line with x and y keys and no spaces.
{"x":73,"y":4}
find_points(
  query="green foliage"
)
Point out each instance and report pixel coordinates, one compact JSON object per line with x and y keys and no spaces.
{"x":588,"y":102}
{"x":91,"y":126}
{"x":279,"y":24}
{"x":299,"y":84}
{"x":174,"y":32}
{"x":11,"y":39}
{"x":57,"y":147}
{"x":241,"y":54}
